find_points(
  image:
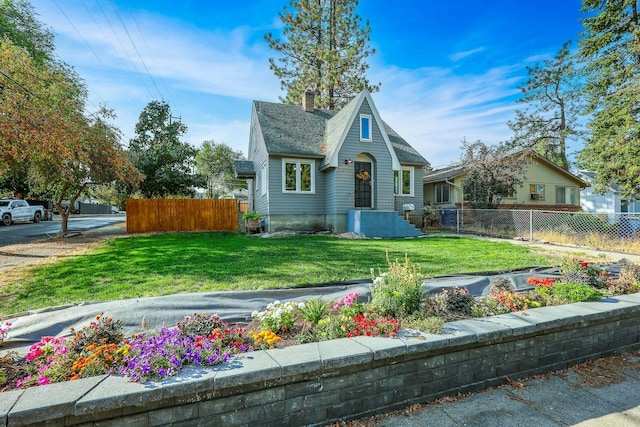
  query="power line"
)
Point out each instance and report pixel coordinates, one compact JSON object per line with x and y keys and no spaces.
{"x":124,"y":49}
{"x":144,"y":41}
{"x":135,"y":47}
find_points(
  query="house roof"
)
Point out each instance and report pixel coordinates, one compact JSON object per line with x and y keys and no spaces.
{"x":590,"y":177}
{"x":444,"y":174}
{"x":457,"y":170}
{"x":244,"y":169}
{"x":289,"y":130}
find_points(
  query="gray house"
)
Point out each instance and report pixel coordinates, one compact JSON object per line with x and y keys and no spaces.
{"x":337,"y":170}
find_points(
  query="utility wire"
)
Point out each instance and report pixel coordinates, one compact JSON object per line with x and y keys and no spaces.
{"x":144,"y":41}
{"x":136,"y":48}
{"x":125,"y":50}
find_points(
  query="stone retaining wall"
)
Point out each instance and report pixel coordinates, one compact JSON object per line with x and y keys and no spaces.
{"x":319,"y":383}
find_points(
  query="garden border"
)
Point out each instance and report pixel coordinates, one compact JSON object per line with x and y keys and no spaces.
{"x":324,"y":382}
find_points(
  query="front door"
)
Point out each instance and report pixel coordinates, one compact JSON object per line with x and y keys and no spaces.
{"x":362,"y":184}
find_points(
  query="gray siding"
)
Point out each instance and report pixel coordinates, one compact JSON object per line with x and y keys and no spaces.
{"x":382,"y":170}
{"x":294,"y":203}
{"x":418,"y":193}
{"x":258,"y":155}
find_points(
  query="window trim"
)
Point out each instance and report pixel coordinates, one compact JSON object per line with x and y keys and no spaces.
{"x":263,"y":179}
{"x":369,"y":130}
{"x":435,"y":193}
{"x":398,"y":185}
{"x":566,"y":187}
{"x":537,"y":191}
{"x":298,"y":162}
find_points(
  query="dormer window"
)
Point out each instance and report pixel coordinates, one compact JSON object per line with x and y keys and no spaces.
{"x":365,"y":128}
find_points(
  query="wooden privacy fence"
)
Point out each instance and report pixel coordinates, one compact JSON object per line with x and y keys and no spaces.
{"x":147,"y":215}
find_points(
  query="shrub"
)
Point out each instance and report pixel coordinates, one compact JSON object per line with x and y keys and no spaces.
{"x":460,"y":301}
{"x":399,"y":291}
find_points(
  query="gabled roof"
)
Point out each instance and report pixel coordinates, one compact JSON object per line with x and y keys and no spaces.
{"x":590,"y":177}
{"x":289,"y":130}
{"x":444,"y":174}
{"x":454,"y":171}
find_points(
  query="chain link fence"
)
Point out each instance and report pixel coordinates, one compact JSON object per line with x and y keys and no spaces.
{"x":620,"y":231}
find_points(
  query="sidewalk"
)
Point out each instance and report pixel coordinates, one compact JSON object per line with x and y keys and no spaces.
{"x":605,"y":393}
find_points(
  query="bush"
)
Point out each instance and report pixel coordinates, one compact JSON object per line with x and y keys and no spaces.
{"x":460,"y":301}
{"x":399,"y":291}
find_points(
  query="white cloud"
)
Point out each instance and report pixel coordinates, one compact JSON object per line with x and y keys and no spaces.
{"x":461,"y":55}
{"x":434,"y":109}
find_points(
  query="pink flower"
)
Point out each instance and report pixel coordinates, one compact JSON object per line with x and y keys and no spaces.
{"x":44,"y":380}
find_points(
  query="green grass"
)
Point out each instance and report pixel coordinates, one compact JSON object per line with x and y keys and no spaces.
{"x":153,"y":265}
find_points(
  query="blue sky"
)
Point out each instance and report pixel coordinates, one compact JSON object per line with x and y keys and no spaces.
{"x":449,"y":69}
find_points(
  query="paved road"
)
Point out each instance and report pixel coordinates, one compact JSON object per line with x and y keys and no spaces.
{"x":29,"y":232}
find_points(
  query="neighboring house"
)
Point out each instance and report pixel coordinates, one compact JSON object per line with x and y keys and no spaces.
{"x":610,"y":202}
{"x":338,"y":170}
{"x":545,"y":186}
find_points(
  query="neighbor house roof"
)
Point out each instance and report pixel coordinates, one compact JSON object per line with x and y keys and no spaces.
{"x":290,"y":130}
{"x":443,"y":174}
{"x":457,"y":170}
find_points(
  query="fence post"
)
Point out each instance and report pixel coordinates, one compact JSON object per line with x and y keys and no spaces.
{"x":458,"y":221}
{"x":531,"y":225}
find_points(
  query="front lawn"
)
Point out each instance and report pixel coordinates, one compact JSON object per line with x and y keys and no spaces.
{"x":153,"y":265}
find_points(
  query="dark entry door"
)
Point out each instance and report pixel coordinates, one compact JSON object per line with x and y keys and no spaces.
{"x":363,"y":186}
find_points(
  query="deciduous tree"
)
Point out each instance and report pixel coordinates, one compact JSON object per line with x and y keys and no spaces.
{"x":551,"y":95}
{"x":19,"y":23}
{"x":324,"y":47}
{"x":610,"y":51}
{"x":43,"y":125}
{"x":215,"y":163}
{"x":157,"y":152}
{"x":490,"y":173}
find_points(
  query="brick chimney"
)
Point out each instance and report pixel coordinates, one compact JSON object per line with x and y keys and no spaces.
{"x":307,"y":101}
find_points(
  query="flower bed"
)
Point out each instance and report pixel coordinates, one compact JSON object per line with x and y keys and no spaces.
{"x":397,"y":301}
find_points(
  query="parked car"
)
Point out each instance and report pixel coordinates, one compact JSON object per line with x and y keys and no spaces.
{"x":115,"y":210}
{"x":19,"y":210}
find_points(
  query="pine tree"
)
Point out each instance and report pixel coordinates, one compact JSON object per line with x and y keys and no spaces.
{"x":610,"y":49}
{"x":552,"y":97}
{"x":323,"y":47}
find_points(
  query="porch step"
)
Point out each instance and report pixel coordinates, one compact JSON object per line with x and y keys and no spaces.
{"x":380,"y":224}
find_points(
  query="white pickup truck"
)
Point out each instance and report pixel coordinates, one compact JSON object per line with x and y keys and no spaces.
{"x":19,"y":210}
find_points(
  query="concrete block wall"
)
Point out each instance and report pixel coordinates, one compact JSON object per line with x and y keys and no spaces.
{"x":319,"y":383}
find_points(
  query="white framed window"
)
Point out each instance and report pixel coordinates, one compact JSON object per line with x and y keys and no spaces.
{"x":565,"y":195}
{"x":536,"y":191}
{"x":263,"y":179}
{"x":442,"y":193}
{"x":365,"y":127}
{"x":403,"y":181}
{"x":298,"y":176}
